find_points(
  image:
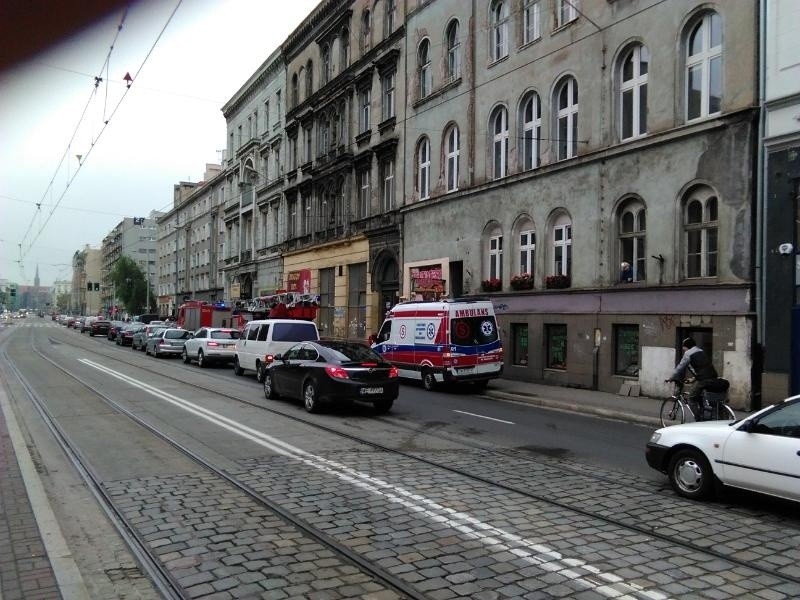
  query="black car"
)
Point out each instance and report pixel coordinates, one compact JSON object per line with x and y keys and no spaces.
{"x":125,"y":335}
{"x":115,"y":328}
{"x":332,"y":371}
{"x":99,"y":327}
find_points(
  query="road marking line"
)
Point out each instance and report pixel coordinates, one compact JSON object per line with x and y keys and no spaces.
{"x":494,"y":538}
{"x":463,"y":412}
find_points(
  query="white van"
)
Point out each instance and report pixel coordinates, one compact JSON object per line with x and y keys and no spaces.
{"x":268,"y":337}
{"x":444,"y":341}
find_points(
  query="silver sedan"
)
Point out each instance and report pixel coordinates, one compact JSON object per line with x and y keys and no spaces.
{"x":167,"y":342}
{"x":211,"y":344}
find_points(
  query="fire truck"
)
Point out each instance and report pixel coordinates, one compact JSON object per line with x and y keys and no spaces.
{"x":194,"y":314}
{"x":281,"y":305}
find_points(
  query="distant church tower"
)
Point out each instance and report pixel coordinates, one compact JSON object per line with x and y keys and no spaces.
{"x":36,"y":279}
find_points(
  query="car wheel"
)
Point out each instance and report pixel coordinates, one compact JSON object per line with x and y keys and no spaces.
{"x":185,"y":357}
{"x":690,"y":474}
{"x":383,"y":406}
{"x":259,"y":372}
{"x":428,"y":380}
{"x":310,"y":400}
{"x":481,"y":385}
{"x":269,"y":390}
{"x":91,"y":334}
{"x":201,"y":359}
{"x":237,"y":370}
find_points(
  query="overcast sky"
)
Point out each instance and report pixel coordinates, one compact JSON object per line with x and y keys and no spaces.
{"x":162,"y":131}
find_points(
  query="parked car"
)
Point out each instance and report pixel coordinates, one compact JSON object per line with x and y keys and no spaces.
{"x":114,"y":329}
{"x":759,"y":453}
{"x":167,"y":342}
{"x":211,"y":344}
{"x":99,"y":326}
{"x":263,"y":339}
{"x":125,"y":335}
{"x":332,"y":371}
{"x":141,"y":336}
{"x":86,"y":324}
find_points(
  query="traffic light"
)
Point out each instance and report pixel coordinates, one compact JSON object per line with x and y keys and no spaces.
{"x":89,"y":287}
{"x":13,"y":292}
{"x":96,"y":286}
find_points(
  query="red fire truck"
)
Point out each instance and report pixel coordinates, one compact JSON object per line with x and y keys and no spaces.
{"x":281,"y":305}
{"x":194,"y":314}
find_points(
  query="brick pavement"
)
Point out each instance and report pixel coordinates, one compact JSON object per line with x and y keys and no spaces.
{"x":25,"y":569}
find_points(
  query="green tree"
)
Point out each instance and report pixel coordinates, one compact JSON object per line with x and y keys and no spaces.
{"x":62,"y":302}
{"x":130,"y":286}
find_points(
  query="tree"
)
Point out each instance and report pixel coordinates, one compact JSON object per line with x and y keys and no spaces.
{"x":130,"y":285}
{"x":62,"y":302}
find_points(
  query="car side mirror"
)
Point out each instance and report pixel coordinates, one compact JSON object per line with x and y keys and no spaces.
{"x":278,"y":357}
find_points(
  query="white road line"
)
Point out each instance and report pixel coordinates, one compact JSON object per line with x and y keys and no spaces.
{"x":494,"y":538}
{"x":463,"y":412}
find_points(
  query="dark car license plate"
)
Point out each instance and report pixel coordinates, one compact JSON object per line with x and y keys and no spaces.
{"x":371,"y":390}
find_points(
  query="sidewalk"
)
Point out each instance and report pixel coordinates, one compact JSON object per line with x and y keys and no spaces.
{"x":640,"y":410}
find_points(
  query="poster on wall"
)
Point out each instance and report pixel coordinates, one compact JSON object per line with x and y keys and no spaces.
{"x":299,"y":281}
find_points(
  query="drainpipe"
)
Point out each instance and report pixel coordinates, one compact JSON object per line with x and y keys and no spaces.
{"x":760,"y":200}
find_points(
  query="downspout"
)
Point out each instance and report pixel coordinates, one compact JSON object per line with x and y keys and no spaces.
{"x":760,"y":207}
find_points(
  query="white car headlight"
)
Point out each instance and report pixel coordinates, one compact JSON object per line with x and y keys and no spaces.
{"x":655,"y":437}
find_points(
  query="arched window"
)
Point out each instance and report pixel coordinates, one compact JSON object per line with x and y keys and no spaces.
{"x":499,"y":30}
{"x":366,"y":35}
{"x":344,"y":49}
{"x":531,"y":21}
{"x":295,"y":91}
{"x":309,"y":78}
{"x":499,"y":128}
{"x":424,"y":168}
{"x":493,"y":257}
{"x":531,"y":127}
{"x":700,"y":227}
{"x":562,"y":246}
{"x":704,"y":67}
{"x":453,"y":51}
{"x":451,"y":157}
{"x":325,"y":74}
{"x":632,"y":225}
{"x":424,"y":68}
{"x":567,"y":118}
{"x":526,"y":246}
{"x":633,"y":92}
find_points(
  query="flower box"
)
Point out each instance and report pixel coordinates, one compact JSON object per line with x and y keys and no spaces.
{"x":491,"y":285}
{"x":556,"y":282}
{"x":523,"y":281}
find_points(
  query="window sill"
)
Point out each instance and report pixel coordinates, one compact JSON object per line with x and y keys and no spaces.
{"x":453,"y":83}
{"x":387,"y":124}
{"x":364,"y":136}
{"x":495,"y":61}
{"x":565,"y":26}
{"x":530,"y":43}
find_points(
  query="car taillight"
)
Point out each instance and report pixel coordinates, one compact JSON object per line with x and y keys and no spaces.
{"x":393,"y":372}
{"x":213,"y":344}
{"x":269,"y":358}
{"x":162,"y":342}
{"x":337,"y":372}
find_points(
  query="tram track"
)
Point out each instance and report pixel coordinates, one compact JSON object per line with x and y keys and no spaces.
{"x":647,"y":528}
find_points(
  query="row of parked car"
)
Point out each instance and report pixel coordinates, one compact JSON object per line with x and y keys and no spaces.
{"x":286,"y":355}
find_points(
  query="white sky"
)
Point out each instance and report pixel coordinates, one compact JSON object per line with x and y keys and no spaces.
{"x":165,"y":130}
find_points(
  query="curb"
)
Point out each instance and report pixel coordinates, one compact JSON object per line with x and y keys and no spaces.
{"x":605,"y":413}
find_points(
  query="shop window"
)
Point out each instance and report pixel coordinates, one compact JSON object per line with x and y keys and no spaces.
{"x":626,"y":350}
{"x":519,"y":347}
{"x":556,"y":340}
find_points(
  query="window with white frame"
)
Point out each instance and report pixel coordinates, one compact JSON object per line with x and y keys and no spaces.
{"x":307,"y":228}
{"x":527,"y":248}
{"x":452,"y":151}
{"x":567,"y":11}
{"x":567,"y":118}
{"x":704,"y":67}
{"x":531,"y":21}
{"x":531,"y":131}
{"x":562,"y":246}
{"x":424,"y":74}
{"x":498,"y":30}
{"x":424,"y":168}
{"x":365,"y":102}
{"x":453,"y":52}
{"x":496,"y":257}
{"x":632,"y":232}
{"x":366,"y":35}
{"x":633,"y":92}
{"x":387,"y":189}
{"x":391,"y":9}
{"x":499,"y":128}
{"x":387,"y":91}
{"x":363,"y":193}
{"x":701,"y":226}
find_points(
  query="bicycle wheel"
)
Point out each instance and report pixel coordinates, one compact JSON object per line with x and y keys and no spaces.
{"x":672,"y":412}
{"x":723,"y":412}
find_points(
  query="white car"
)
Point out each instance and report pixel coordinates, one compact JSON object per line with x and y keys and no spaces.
{"x":211,"y":344}
{"x":760,"y":453}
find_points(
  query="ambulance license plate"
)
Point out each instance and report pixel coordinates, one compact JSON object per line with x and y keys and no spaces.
{"x":465,"y":370}
{"x":371,"y":390}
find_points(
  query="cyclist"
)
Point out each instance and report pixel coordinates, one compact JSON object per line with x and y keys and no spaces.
{"x":698,"y":364}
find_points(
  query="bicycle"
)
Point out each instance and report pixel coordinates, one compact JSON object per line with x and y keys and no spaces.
{"x":715,"y":407}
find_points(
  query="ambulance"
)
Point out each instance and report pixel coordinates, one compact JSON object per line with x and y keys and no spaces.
{"x":446,"y":341}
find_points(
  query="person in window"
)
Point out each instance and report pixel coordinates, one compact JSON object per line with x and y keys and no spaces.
{"x":625,"y":273}
{"x":695,"y":364}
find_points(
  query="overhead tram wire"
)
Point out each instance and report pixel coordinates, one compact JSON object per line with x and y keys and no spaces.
{"x":105,"y":125}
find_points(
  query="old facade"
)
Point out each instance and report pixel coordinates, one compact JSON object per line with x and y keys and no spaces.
{"x":600,"y":160}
